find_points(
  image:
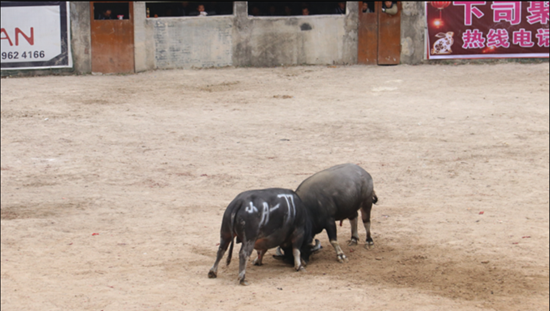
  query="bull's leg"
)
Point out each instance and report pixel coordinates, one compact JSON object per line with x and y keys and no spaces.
{"x":354,"y":233}
{"x":278,"y":252}
{"x":365,"y":215}
{"x":331,"y":232}
{"x":297,"y":259}
{"x":244,"y":254}
{"x":340,"y":256}
{"x":224,"y":243}
{"x":258,"y":261}
{"x":317,"y":247}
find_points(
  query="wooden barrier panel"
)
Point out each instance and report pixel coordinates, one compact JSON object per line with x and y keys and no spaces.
{"x":112,"y":42}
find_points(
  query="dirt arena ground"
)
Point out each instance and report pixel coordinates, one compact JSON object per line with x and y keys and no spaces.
{"x":113,"y":187}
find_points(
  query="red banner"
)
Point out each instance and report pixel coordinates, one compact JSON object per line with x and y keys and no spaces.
{"x":487,"y":29}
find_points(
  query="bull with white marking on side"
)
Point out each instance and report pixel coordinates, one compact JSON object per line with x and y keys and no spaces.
{"x":263,"y":219}
{"x":337,"y":193}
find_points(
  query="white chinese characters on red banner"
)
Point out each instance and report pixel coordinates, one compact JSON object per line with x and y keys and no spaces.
{"x":483,"y":29}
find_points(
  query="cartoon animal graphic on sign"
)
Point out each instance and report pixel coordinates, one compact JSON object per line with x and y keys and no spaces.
{"x":443,"y":45}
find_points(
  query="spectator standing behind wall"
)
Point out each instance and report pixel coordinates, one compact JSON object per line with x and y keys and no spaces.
{"x":107,"y":14}
{"x":365,"y":8}
{"x":389,"y":7}
{"x":341,"y":8}
{"x":201,"y":11}
{"x":288,"y":10}
{"x":183,"y":8}
{"x":272,"y":11}
{"x":255,"y":11}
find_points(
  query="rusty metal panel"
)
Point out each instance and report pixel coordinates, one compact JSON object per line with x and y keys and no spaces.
{"x":112,"y":44}
{"x":389,"y":36}
{"x":367,"y":42}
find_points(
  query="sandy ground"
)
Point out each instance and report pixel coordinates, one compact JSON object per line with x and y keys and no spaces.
{"x":459,"y":156}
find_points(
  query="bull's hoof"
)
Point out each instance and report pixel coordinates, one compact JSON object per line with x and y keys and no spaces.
{"x":342,"y":258}
{"x":212,"y":274}
{"x":244,"y":283}
{"x":256,"y":263}
{"x":353,"y":241}
{"x":301,"y":269}
{"x":369,"y":245}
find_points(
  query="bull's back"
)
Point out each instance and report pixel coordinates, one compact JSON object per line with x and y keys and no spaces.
{"x":337,"y":191}
{"x":269,"y":216}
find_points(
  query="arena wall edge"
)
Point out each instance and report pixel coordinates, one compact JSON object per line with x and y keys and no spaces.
{"x":242,"y":40}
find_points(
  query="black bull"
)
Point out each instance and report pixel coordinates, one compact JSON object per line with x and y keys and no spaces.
{"x":264,"y":219}
{"x":337,"y":193}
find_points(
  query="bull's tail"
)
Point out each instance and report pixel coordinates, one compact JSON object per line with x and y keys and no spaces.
{"x":230,"y":250}
{"x":234,"y":209}
{"x":374,"y":197}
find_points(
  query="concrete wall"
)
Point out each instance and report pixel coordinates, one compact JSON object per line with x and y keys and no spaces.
{"x":273,"y":41}
{"x":142,"y":46}
{"x":413,"y":28}
{"x":242,"y":40}
{"x":185,"y":42}
{"x":81,"y":41}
